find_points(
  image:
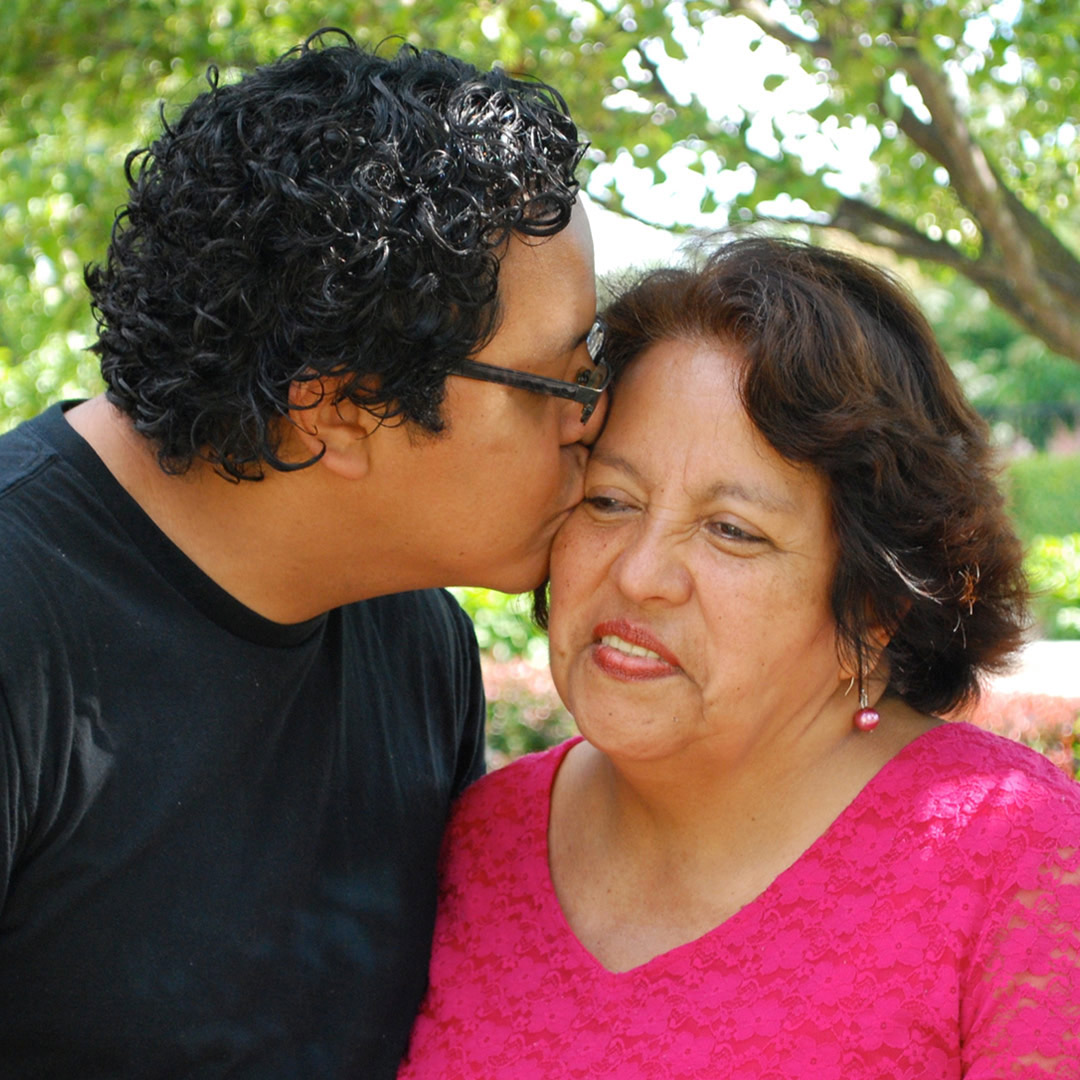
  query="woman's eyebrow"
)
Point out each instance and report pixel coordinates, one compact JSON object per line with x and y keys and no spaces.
{"x":616,"y":461}
{"x":766,"y":498}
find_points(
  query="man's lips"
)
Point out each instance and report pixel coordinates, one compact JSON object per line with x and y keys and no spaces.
{"x":627,"y":651}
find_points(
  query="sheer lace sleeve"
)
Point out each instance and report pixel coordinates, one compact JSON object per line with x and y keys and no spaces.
{"x":1021,"y":1014}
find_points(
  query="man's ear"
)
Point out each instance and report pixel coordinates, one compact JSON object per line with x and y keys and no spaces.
{"x":334,"y":431}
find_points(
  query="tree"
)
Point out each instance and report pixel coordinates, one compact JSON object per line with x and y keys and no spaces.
{"x":970,"y":113}
{"x":967,"y":109}
{"x":977,"y":107}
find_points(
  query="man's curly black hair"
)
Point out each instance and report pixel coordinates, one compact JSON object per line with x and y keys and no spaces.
{"x":335,"y":213}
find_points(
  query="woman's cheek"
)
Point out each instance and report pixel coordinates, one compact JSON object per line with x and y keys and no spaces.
{"x":566,"y":598}
{"x":567,"y":554}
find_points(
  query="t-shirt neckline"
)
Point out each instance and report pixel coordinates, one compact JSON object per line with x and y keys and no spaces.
{"x":170,"y":561}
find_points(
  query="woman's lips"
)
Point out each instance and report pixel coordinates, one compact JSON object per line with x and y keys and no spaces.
{"x":624,"y":650}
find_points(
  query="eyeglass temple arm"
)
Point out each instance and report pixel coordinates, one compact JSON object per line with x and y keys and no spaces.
{"x":583,"y":395}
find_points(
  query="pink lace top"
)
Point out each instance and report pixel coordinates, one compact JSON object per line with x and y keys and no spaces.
{"x":932,"y":931}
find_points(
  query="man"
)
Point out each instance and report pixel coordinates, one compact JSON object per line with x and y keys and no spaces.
{"x":345,"y":328}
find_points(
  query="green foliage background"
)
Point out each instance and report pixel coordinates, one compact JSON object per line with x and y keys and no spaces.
{"x":1044,"y":495}
{"x":81,"y":82}
{"x":1022,"y":388}
{"x":1053,"y":567}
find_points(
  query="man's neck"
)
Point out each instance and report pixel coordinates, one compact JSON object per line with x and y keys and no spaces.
{"x":272,"y":544}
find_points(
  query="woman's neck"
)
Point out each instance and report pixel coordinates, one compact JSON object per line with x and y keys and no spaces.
{"x":672,"y":850}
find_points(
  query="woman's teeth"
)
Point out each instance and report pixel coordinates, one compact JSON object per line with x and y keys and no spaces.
{"x":617,"y":643}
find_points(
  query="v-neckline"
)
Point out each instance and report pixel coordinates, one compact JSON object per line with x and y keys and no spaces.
{"x":551,"y":899}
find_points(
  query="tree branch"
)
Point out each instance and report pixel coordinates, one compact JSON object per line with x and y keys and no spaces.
{"x":969,"y":171}
{"x":874,"y":226}
{"x":1056,"y":262}
{"x":1024,"y":266}
{"x":980,"y":189}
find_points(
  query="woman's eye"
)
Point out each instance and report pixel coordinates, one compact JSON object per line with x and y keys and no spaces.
{"x":732,"y":532}
{"x":605,"y":504}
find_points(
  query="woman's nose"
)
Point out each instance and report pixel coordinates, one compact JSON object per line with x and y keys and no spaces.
{"x":650,"y":568}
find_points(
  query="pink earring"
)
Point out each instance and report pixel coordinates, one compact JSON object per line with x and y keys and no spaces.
{"x":866,"y":719}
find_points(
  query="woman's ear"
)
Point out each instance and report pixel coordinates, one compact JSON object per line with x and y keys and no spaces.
{"x":334,"y":430}
{"x":874,"y":645}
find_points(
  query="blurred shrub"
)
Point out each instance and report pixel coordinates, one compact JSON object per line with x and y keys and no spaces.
{"x":524,"y":711}
{"x":1053,"y":568}
{"x":1044,"y":495}
{"x":504,"y":626}
{"x":1022,"y":389}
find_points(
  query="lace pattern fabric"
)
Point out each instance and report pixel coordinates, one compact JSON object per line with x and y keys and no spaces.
{"x":933,"y":931}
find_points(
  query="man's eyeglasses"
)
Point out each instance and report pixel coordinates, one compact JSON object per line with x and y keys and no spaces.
{"x":586,"y":391}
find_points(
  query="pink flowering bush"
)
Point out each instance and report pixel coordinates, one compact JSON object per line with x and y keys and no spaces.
{"x":524,"y":711}
{"x":525,"y":714}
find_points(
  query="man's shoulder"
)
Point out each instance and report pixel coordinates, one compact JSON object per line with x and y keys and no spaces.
{"x":39,"y":489}
{"x":25,"y":453}
{"x":435,"y":601}
{"x":32,"y":522}
{"x":420,"y":646}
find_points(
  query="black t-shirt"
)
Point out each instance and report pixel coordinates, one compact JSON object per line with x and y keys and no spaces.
{"x":218,"y":834}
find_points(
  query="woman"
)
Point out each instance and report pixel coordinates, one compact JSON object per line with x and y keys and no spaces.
{"x":768,"y":857}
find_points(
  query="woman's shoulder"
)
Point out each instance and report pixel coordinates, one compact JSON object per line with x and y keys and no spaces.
{"x":961,"y":776}
{"x":961,"y":749}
